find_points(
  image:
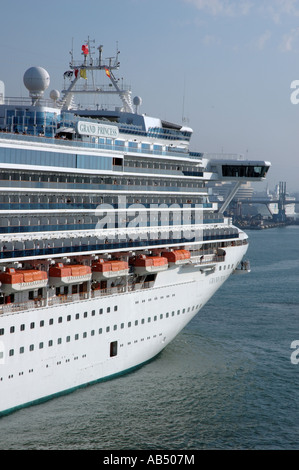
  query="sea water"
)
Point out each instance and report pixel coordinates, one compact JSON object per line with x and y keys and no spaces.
{"x":227,"y":381}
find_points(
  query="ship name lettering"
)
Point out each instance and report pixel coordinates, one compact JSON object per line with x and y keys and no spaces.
{"x":97,"y":130}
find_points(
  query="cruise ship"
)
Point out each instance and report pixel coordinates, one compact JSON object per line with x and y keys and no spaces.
{"x":109,"y":244}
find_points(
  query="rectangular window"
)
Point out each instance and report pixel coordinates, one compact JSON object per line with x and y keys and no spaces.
{"x":113,"y":349}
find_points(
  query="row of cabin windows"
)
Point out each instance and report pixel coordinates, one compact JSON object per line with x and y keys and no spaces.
{"x":60,"y":319}
{"x":84,"y":335}
{"x":145,"y":219}
{"x":74,"y":179}
{"x":160,"y":166}
{"x":96,"y":199}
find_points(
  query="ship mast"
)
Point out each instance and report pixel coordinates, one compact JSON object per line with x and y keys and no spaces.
{"x":80,"y":70}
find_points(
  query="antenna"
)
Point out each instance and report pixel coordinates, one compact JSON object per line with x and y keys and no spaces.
{"x":87,"y":67}
{"x":72,"y":52}
{"x":100,"y":49}
{"x":184,"y":119}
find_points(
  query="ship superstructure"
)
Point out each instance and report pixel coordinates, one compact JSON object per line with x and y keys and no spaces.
{"x":109,"y":244}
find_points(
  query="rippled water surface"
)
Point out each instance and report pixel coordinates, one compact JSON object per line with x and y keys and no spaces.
{"x":226,"y":382}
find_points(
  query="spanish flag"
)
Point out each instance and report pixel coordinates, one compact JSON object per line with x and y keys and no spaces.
{"x":83,"y":73}
{"x":85,"y":49}
{"x":107,"y":72}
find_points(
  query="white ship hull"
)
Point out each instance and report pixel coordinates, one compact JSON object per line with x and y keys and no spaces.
{"x":80,"y":344}
{"x":108,"y":211}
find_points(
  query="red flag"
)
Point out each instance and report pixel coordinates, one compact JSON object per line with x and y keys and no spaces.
{"x":107,"y":72}
{"x":85,"y":49}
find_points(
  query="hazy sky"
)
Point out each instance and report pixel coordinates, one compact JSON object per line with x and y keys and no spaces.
{"x":224,"y":65}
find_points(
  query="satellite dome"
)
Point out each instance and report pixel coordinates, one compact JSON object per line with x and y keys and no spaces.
{"x":54,"y":95}
{"x":36,"y":80}
{"x":137,"y":101}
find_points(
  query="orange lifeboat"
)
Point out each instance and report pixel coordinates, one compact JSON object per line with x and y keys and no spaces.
{"x":150,"y":264}
{"x":18,"y":280}
{"x":60,"y":274}
{"x":177,"y":256}
{"x":107,"y":269}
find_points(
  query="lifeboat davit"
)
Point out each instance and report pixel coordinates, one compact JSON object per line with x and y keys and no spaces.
{"x":60,"y":275}
{"x":107,"y":269}
{"x":177,"y":256}
{"x":19,"y":280}
{"x":150,"y":264}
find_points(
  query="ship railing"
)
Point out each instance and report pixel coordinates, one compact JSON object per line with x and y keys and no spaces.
{"x":223,"y":156}
{"x":51,"y":140}
{"x":243,"y":267}
{"x":62,"y":299}
{"x":207,"y":255}
{"x":19,"y":101}
{"x":108,"y":291}
{"x":19,"y":307}
{"x":205,"y":259}
{"x":148,"y":285}
{"x":136,"y":286}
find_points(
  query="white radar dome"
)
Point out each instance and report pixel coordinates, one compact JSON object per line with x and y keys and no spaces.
{"x":137,"y":101}
{"x":54,"y":95}
{"x":36,"y":80}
